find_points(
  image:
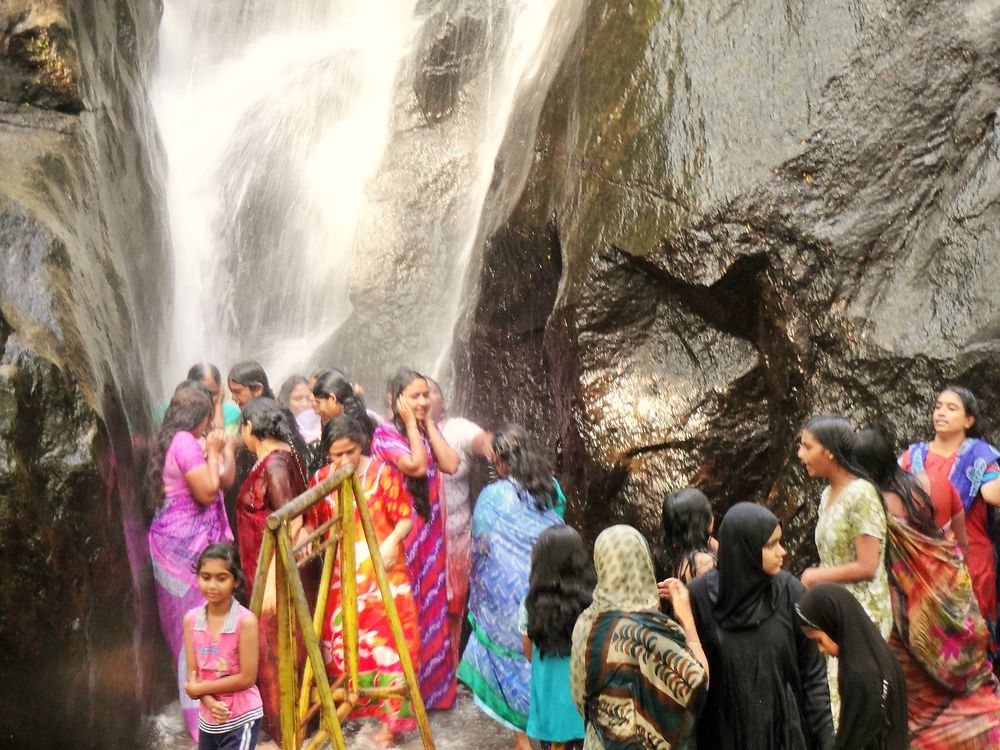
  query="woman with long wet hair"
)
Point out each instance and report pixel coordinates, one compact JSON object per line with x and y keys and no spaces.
{"x":939,"y":637}
{"x":509,"y":516}
{"x":277,"y":478}
{"x":960,"y":456}
{"x":850,"y":528}
{"x":412,"y":443}
{"x":183,"y":486}
{"x":686,"y":549}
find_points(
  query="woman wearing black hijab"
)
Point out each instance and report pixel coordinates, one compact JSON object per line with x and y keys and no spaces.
{"x":769,"y":688}
{"x":872,"y":688}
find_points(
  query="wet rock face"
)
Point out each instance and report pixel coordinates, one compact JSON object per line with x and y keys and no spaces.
{"x":79,"y":232}
{"x":764,"y":214}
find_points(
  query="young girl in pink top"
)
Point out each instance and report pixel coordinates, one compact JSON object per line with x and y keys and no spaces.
{"x":220,"y":642}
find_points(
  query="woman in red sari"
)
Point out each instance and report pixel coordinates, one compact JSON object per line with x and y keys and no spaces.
{"x":959,"y":455}
{"x":939,"y":637}
{"x":277,"y":478}
{"x":412,"y":444}
{"x":391,"y":513}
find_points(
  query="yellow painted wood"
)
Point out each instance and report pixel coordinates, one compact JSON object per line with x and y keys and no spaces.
{"x":349,"y":579}
{"x":321,"y":599}
{"x":301,"y":614}
{"x":287,"y":662}
{"x":416,"y":700}
{"x":336,"y":701}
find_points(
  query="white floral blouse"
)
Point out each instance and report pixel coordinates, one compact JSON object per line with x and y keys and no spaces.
{"x":857,"y":511}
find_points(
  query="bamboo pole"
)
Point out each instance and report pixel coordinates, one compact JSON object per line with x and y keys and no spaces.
{"x":318,"y":616}
{"x":349,"y":580}
{"x":301,"y":607}
{"x":286,"y":650}
{"x":260,"y":578}
{"x":416,"y":700}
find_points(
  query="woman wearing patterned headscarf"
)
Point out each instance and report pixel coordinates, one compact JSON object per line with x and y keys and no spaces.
{"x":769,"y":688}
{"x":635,"y":674}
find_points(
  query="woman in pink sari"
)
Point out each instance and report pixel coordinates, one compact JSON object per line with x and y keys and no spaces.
{"x":412,"y":443}
{"x":190,"y":515}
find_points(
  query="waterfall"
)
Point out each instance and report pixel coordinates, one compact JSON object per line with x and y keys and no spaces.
{"x":334,"y":166}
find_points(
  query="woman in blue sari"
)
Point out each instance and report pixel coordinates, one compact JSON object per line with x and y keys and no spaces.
{"x":509,"y":516}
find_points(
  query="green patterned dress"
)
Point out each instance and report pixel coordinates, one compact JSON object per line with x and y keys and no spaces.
{"x":857,"y":511}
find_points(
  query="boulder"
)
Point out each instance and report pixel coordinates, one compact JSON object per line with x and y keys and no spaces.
{"x":763,"y":214}
{"x":81,"y":311}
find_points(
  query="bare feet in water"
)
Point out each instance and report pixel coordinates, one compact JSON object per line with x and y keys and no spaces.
{"x":386,"y":738}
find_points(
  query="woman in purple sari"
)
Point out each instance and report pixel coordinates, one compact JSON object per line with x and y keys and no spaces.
{"x":189,"y":515}
{"x":412,"y":443}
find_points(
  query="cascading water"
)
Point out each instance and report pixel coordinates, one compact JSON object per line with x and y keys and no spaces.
{"x":333,"y":168}
{"x":307,"y":179}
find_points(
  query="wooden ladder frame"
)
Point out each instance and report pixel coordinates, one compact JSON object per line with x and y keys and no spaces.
{"x":335,"y":701}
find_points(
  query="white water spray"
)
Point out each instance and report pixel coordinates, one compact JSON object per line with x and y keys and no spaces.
{"x":302,"y":175}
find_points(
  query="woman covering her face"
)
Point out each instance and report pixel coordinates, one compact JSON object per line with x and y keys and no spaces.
{"x":769,"y":686}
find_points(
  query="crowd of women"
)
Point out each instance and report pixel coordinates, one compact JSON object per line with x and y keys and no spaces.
{"x":887,"y":643}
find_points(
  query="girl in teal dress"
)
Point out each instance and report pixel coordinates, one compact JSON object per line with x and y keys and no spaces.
{"x":560,"y":587}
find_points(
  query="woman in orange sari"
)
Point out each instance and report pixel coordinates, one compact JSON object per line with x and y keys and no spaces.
{"x":390,"y":508}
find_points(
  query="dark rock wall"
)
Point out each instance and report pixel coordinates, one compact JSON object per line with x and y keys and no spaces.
{"x":80,"y":233}
{"x":764,"y":212}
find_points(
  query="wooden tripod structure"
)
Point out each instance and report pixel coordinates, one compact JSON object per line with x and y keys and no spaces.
{"x":301,"y":699}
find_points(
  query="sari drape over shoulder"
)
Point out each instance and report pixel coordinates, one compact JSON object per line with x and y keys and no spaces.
{"x":941,"y":642}
{"x":971,"y":466}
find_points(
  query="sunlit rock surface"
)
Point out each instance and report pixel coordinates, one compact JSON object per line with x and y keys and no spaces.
{"x":762,"y":212}
{"x":79,"y":304}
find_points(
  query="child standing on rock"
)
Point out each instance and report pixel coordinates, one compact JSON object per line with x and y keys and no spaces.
{"x":221,"y":646}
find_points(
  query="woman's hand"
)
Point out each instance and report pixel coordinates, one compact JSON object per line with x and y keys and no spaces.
{"x":678,"y":596}
{"x":389,"y":551}
{"x":663,"y":589}
{"x":405,"y":412}
{"x":215,"y":441}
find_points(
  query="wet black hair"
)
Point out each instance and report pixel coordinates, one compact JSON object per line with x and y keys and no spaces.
{"x":971,"y":406}
{"x":874,"y":453}
{"x":684,"y":522}
{"x":189,"y":406}
{"x":560,"y":586}
{"x":836,"y":434}
{"x":418,"y":487}
{"x":267,"y":419}
{"x":340,"y":427}
{"x":249,"y":374}
{"x":291,"y":383}
{"x":335,"y":383}
{"x":531,"y":470}
{"x":201,"y":370}
{"x":230,"y":556}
